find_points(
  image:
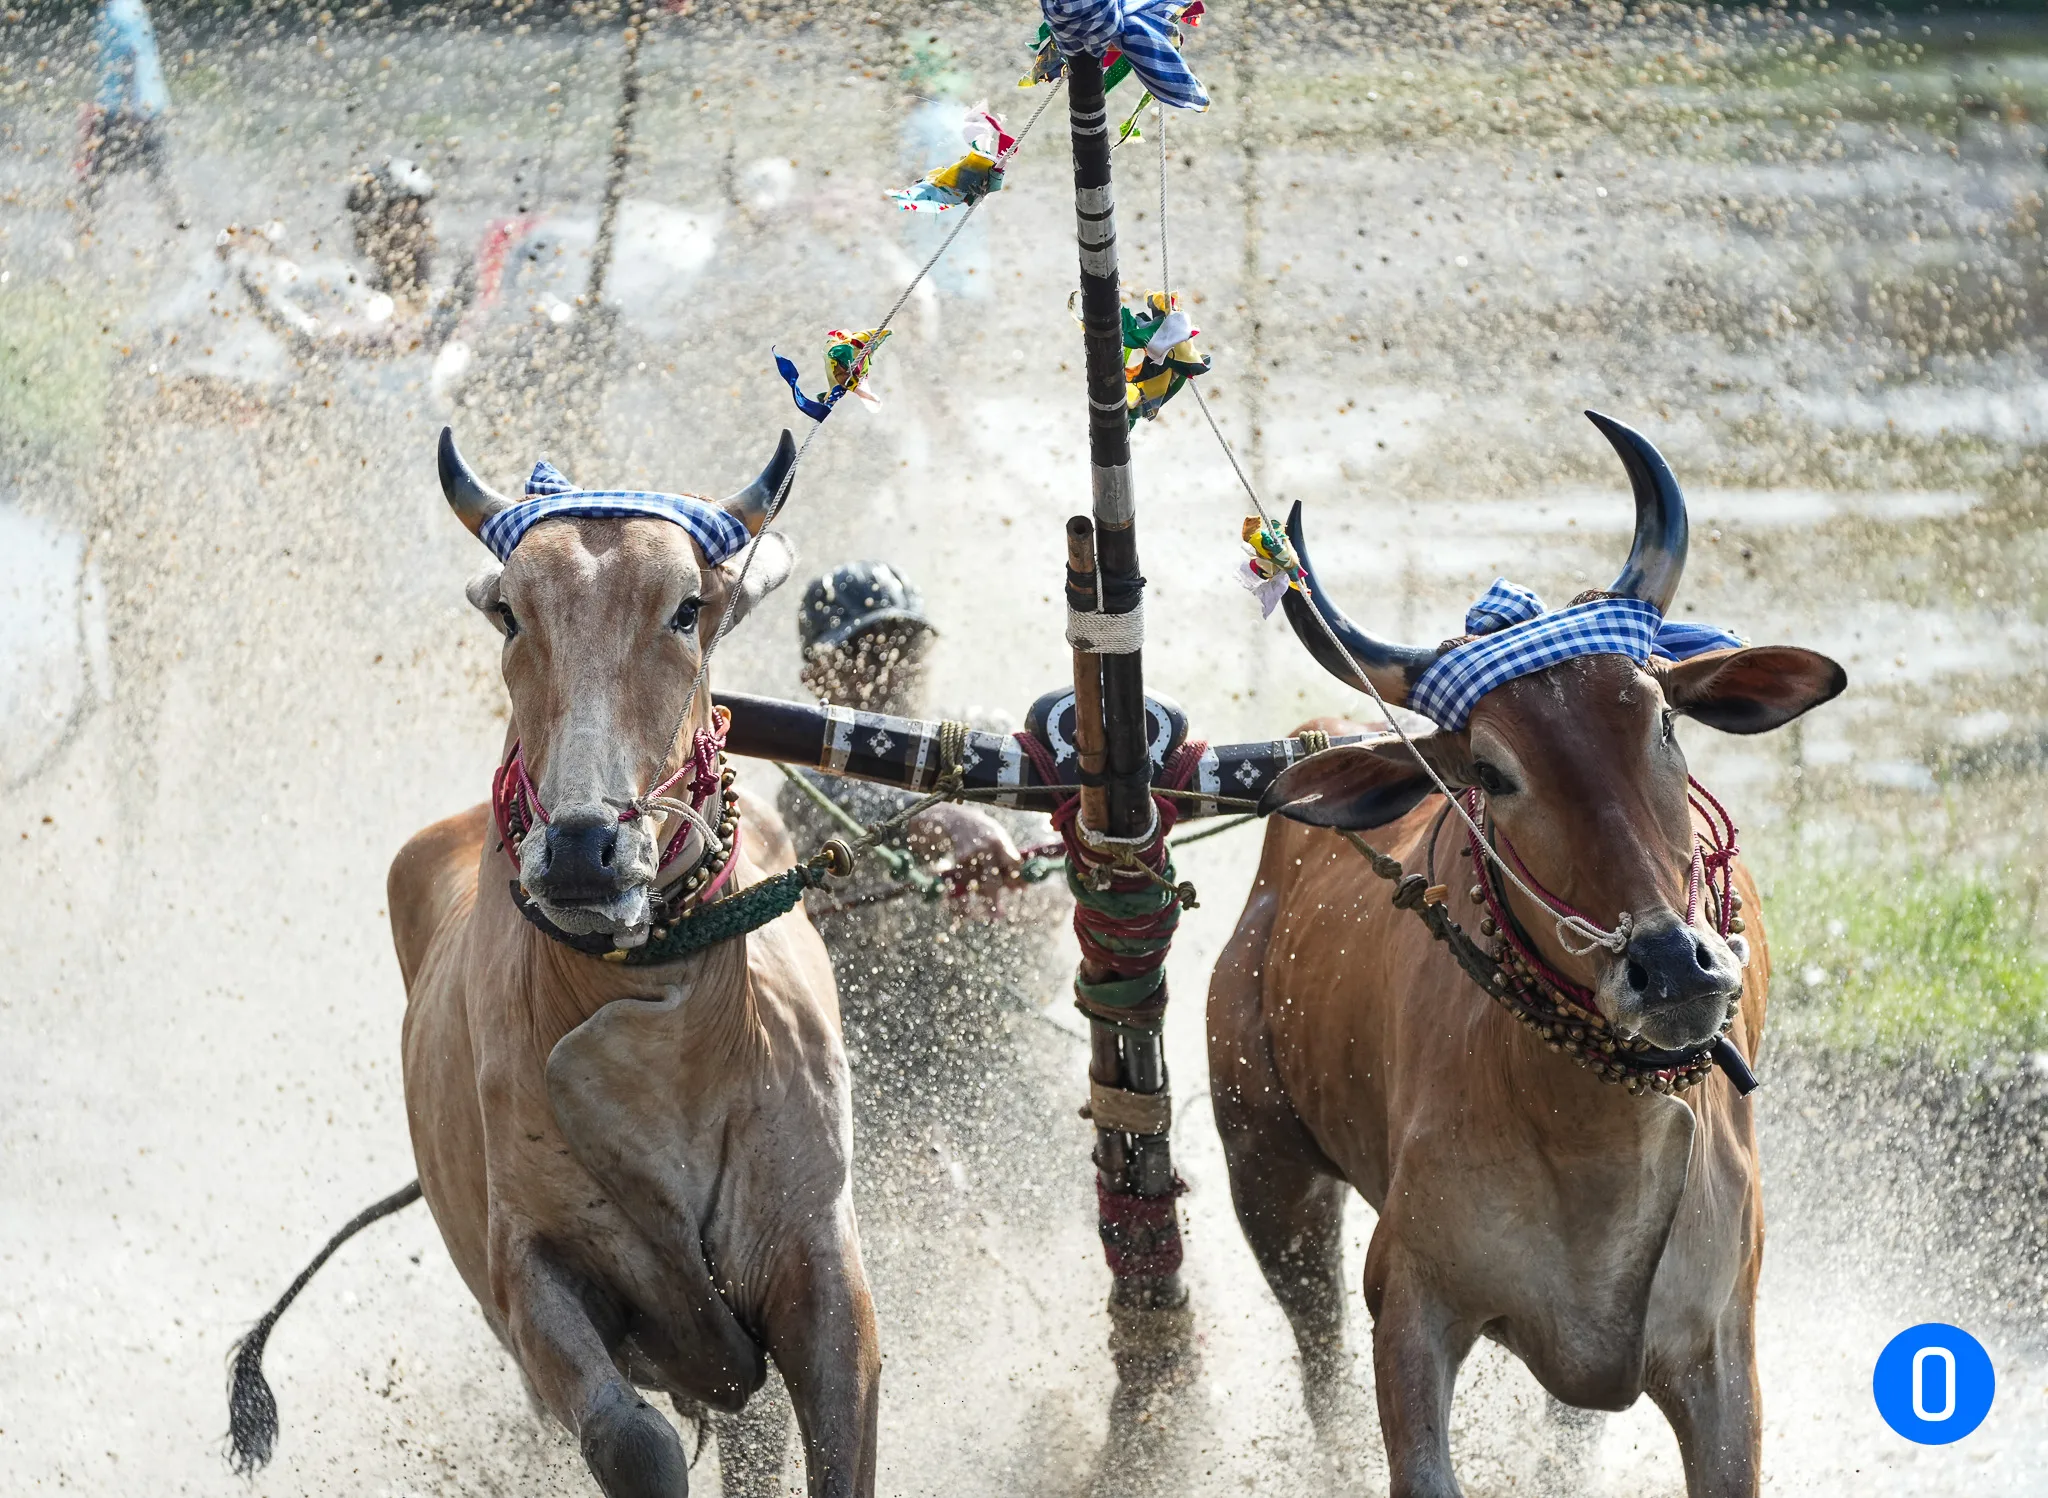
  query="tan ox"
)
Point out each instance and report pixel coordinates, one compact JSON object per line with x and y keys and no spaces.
{"x":641,"y":1172}
{"x":1610,"y":1240}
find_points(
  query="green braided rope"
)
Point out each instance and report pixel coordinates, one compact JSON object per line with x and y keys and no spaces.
{"x":1153,"y":901}
{"x":737,"y":914}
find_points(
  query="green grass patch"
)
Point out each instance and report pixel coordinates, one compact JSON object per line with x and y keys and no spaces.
{"x":53,"y":371}
{"x":1910,"y":961}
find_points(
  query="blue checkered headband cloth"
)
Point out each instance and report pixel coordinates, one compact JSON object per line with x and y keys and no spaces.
{"x":549,"y":494}
{"x":1516,"y":638}
{"x":1143,"y":29}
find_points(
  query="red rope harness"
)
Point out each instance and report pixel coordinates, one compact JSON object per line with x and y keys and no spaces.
{"x":516,"y":805}
{"x":1712,"y":870}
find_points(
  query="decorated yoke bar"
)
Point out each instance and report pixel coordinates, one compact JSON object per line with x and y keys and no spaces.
{"x":906,"y":751}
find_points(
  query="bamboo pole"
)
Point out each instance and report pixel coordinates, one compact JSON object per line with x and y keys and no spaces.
{"x":1125,"y":1056}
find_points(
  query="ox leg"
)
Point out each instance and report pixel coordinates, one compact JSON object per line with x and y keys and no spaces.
{"x":1288,"y":1196}
{"x":1417,"y":1347}
{"x":631,"y":1450}
{"x":1293,"y":1218}
{"x":1715,"y":1410}
{"x":821,"y":1333}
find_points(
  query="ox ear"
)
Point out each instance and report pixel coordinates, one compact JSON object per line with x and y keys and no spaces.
{"x":482,"y":593}
{"x":1360,"y":786}
{"x":774,"y":559}
{"x":1752,"y":690}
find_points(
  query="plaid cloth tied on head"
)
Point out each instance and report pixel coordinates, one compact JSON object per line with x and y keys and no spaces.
{"x":550,"y":494}
{"x":1142,"y":29}
{"x":1517,"y":638}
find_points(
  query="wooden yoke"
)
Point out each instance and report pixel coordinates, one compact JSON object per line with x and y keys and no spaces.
{"x":1139,"y":1223}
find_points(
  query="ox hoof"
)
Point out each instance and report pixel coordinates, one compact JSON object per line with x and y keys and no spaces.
{"x":632,"y":1451}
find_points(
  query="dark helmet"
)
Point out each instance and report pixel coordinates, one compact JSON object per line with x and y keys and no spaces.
{"x":393,"y":180}
{"x":853,"y":598}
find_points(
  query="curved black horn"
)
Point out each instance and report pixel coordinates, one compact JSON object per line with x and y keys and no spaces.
{"x":472,"y":500}
{"x":751,"y":505}
{"x":1393,"y":668}
{"x":1657,"y":559}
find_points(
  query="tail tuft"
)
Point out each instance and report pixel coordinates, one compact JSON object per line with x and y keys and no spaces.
{"x":252,"y":1408}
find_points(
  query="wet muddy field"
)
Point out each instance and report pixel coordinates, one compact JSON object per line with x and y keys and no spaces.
{"x":1805,"y":255}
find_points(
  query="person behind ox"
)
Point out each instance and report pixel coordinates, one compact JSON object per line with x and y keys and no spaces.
{"x":124,"y":125}
{"x":915,"y":975}
{"x":396,"y":310}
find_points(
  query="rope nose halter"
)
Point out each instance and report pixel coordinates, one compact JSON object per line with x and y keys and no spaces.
{"x":517,"y":807}
{"x":1710,"y":871}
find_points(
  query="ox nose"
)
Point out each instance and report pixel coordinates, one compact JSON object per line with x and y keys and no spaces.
{"x":1668,"y":964}
{"x":580,"y":863}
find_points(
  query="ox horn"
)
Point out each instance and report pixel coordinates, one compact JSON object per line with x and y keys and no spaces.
{"x":751,"y":505}
{"x":1657,"y":559}
{"x":1393,"y":668}
{"x":472,"y":500}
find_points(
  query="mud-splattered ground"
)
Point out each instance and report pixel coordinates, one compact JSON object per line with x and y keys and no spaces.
{"x":236,"y":669}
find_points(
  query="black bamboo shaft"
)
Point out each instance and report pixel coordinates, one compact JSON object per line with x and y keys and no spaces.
{"x":1127,"y":788}
{"x":1128,"y":1057}
{"x":889,"y":750}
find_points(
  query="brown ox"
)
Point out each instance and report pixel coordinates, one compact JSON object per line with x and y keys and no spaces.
{"x":641,"y":1172}
{"x":1610,"y":1240}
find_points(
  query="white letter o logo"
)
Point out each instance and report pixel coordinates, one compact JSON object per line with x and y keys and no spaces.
{"x":1948,"y":1389}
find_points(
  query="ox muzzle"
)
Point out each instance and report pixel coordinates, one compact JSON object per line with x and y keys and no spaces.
{"x":590,"y":872}
{"x":1675,"y":985}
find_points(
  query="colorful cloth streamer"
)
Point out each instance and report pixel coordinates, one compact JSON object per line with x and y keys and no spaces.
{"x":1165,"y":344}
{"x":968,"y":180}
{"x":847,"y":359}
{"x":1130,"y":36}
{"x":1270,"y":569}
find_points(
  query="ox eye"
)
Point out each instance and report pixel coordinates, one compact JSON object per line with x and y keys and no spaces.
{"x":1670,"y":724}
{"x":508,"y":619}
{"x":1491,"y":780}
{"x":685,"y":618}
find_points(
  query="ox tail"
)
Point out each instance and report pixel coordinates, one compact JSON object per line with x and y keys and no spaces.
{"x":252,"y":1408}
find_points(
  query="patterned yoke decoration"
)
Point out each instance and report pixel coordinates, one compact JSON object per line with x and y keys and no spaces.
{"x":1129,"y":36}
{"x":1515,"y":637}
{"x":550,"y":494}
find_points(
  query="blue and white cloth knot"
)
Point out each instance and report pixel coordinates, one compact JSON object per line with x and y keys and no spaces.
{"x":1142,"y":29}
{"x":1517,"y":638}
{"x":549,"y":494}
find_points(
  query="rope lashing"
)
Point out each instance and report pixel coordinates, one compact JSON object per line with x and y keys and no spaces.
{"x":1107,"y":634}
{"x":1140,"y":1234}
{"x":1127,"y":903}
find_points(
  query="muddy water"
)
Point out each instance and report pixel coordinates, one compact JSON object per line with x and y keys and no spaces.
{"x":238,"y":670}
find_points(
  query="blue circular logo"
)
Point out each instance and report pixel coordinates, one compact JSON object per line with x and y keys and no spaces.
{"x":1933,"y":1383}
